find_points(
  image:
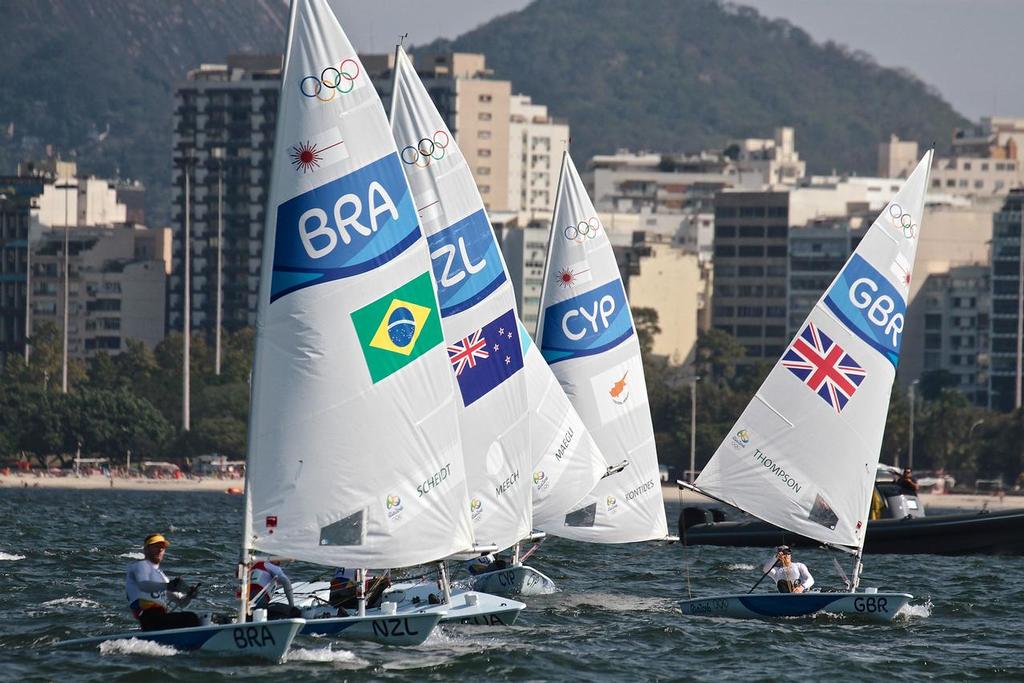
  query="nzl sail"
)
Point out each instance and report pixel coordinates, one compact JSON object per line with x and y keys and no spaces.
{"x":354,"y":450}
{"x":586,"y":334}
{"x":478,"y":314}
{"x":803,"y":454}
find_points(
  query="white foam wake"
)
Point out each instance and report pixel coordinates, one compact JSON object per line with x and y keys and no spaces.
{"x":323,"y":654}
{"x":134,"y":646}
{"x":71,"y":602}
{"x":916,"y":611}
{"x":133,"y":556}
{"x":9,"y":557}
{"x":740,"y":567}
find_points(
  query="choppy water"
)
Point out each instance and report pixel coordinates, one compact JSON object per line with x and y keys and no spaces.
{"x":63,"y":555}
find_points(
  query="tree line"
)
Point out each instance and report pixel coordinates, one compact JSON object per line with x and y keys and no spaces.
{"x":132,"y":401}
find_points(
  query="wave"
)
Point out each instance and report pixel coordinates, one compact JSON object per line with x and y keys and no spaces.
{"x":740,"y":567}
{"x":134,"y":646}
{"x":71,"y":602}
{"x":133,"y":556}
{"x":909,"y":611}
{"x":323,"y":654}
{"x":9,"y":557}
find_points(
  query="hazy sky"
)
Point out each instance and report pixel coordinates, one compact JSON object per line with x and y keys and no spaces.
{"x":971,"y":51}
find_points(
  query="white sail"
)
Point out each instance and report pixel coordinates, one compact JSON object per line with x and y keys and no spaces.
{"x":804,"y":452}
{"x":586,"y":334}
{"x":478,"y":314}
{"x":567,"y":463}
{"x":354,"y":450}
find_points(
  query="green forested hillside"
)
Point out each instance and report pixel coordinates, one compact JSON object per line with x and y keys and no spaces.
{"x":680,"y":75}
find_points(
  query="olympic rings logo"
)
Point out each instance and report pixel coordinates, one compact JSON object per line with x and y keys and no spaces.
{"x":333,"y":80}
{"x":426,"y":150}
{"x":582,"y":231}
{"x":903,"y":221}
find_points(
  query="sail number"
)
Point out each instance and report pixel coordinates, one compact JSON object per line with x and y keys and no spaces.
{"x":880,"y":308}
{"x":603,"y":307}
{"x":389,"y":628}
{"x":319,"y":238}
{"x":871,"y":605}
{"x":253,"y":637}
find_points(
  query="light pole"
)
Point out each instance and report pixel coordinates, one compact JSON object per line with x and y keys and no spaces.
{"x":910,"y":444}
{"x":67,"y":239}
{"x":218,"y":154}
{"x":693,"y":427}
{"x":186,"y":325}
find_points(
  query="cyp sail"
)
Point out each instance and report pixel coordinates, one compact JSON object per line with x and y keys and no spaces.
{"x":586,"y":334}
{"x":803,"y":454}
{"x":354,"y":450}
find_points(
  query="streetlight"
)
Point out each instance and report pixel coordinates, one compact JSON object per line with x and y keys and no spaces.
{"x":67,"y":239}
{"x":910,"y":445}
{"x":693,"y":427}
{"x":218,"y":154}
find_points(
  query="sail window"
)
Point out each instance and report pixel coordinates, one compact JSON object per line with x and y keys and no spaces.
{"x":346,"y":531}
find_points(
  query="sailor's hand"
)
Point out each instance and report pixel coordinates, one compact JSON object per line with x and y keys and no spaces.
{"x":798,"y":589}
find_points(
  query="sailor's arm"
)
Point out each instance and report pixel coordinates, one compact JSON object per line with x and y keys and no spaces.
{"x":148,"y":582}
{"x":806,"y":580}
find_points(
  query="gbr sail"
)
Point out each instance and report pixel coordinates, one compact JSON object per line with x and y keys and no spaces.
{"x":354,"y":450}
{"x":478,"y":314}
{"x":804,"y":452}
{"x":586,"y":335}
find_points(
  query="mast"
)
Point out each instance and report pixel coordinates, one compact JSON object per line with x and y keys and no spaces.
{"x":551,"y":242}
{"x":247,"y":532}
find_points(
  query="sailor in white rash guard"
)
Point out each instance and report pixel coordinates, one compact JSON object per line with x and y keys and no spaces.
{"x":789,"y":576}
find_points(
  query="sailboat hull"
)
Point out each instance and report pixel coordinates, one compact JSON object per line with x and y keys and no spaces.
{"x":880,"y":607}
{"x":414,"y":599}
{"x":515,"y":580}
{"x":263,"y":640}
{"x":387,"y":629}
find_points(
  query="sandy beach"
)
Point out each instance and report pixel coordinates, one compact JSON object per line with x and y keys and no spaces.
{"x":86,"y":482}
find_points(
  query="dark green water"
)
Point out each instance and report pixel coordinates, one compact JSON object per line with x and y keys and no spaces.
{"x":63,"y":556}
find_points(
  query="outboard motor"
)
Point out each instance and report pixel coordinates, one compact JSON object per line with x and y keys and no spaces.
{"x":899,"y":505}
{"x":691,"y":516}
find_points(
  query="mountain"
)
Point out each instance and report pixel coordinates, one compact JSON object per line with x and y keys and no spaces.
{"x":684,"y":75}
{"x":95,"y":78}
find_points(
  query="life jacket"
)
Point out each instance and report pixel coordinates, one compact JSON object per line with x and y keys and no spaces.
{"x":260,"y":578}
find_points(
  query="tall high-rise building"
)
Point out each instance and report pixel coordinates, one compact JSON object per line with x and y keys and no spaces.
{"x":536,"y":142}
{"x":1007,"y":251}
{"x":17,"y":196}
{"x":224,"y":118}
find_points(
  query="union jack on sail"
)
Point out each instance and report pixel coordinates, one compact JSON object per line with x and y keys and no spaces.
{"x":467,"y":352}
{"x":824,"y":366}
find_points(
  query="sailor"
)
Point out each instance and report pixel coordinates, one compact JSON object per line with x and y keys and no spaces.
{"x":148,"y":587}
{"x":907,"y":483}
{"x":789,"y":576}
{"x":343,"y":590}
{"x":264,"y":576}
{"x":485,"y":564}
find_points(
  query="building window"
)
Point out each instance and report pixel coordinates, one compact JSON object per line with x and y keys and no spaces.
{"x":483,"y":170}
{"x":483,"y":134}
{"x":484,"y":98}
{"x":978,"y":184}
{"x":951,"y":183}
{"x":484,"y":116}
{"x":483,"y":152}
{"x":485,"y":189}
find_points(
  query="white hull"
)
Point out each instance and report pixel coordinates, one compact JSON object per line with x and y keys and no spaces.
{"x":387,"y":629}
{"x":414,"y":599}
{"x":515,"y":580}
{"x":264,"y":640}
{"x":871,"y":606}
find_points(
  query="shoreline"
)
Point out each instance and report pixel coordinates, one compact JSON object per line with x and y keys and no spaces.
{"x":13,"y":482}
{"x":934,"y":502}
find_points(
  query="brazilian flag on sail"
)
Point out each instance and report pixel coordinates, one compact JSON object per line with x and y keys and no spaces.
{"x":399,"y":327}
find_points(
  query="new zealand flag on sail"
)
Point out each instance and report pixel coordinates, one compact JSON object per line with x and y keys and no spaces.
{"x":485,"y":358}
{"x":824,"y":366}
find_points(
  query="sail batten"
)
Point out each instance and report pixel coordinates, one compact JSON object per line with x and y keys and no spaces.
{"x":355,"y":456}
{"x":810,"y":467}
{"x":587,"y":336}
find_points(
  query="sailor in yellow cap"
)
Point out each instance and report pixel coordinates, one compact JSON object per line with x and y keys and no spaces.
{"x":147,"y":587}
